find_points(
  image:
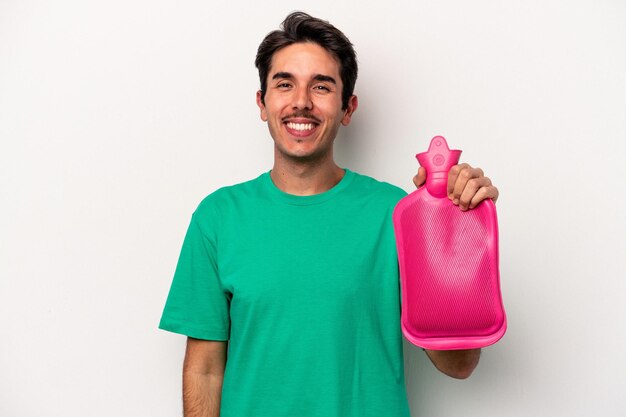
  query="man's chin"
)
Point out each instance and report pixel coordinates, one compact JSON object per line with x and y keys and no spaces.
{"x":305,"y":155}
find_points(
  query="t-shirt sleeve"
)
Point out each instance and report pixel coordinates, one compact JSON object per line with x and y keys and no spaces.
{"x":197,"y":305}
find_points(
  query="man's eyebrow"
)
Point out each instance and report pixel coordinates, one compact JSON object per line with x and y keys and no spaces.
{"x":279,"y":75}
{"x":325,"y":78}
{"x":317,"y":77}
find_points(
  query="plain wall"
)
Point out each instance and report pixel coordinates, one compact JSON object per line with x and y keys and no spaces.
{"x":118,"y":117}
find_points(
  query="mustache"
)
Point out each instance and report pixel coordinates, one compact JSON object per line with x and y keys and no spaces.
{"x":304,"y":114}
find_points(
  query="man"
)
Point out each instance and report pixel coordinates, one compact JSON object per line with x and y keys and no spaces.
{"x":297,"y":270}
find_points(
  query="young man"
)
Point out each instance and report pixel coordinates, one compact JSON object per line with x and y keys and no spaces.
{"x":297,"y":270}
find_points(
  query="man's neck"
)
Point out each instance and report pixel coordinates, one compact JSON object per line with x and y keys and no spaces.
{"x":306,"y":178}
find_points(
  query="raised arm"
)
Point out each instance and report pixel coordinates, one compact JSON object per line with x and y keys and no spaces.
{"x":203,"y":375}
{"x":467,"y":187}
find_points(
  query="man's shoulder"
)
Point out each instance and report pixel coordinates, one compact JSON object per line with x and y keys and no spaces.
{"x":230,"y":194}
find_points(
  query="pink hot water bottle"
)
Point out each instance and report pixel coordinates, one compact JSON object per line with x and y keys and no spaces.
{"x":448,"y":261}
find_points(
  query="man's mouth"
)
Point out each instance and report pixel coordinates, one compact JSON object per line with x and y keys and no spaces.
{"x":300,"y":126}
{"x":300,"y":129}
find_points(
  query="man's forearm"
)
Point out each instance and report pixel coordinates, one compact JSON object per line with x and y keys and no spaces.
{"x":455,"y":363}
{"x":203,"y":376}
{"x":202,"y":394}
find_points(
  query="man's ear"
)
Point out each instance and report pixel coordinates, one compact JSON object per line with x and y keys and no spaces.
{"x":259,"y":102}
{"x":353,"y":103}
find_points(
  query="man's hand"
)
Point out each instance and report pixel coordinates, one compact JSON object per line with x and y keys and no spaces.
{"x":467,"y":186}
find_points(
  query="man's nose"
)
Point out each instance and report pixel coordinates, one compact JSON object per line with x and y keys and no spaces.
{"x":302,"y":99}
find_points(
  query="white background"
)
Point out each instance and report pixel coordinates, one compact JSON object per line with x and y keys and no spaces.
{"x":118,"y":117}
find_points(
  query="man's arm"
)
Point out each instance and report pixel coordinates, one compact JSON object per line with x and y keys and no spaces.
{"x":203,"y":375}
{"x":467,"y":187}
{"x":455,"y":363}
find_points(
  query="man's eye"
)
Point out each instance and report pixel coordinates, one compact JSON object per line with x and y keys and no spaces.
{"x":284,"y":85}
{"x":321,"y":88}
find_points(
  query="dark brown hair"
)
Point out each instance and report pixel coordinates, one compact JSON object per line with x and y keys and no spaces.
{"x":300,"y":27}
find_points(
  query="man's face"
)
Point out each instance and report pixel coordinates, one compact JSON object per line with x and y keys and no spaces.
{"x":303,"y":102}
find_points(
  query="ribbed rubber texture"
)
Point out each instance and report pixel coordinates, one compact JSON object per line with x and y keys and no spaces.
{"x":449,"y":271}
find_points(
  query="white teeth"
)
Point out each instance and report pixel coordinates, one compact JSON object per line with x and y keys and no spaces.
{"x":300,"y":126}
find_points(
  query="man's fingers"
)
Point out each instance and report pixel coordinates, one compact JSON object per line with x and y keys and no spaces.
{"x":473,"y":186}
{"x":462,"y":178}
{"x":453,"y":176}
{"x":420,"y":178}
{"x":468,"y":186}
{"x":484,"y":194}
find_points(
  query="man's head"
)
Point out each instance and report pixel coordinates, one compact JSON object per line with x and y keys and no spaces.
{"x":299,"y":27}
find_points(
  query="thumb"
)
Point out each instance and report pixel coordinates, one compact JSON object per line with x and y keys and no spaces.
{"x":420,"y":178}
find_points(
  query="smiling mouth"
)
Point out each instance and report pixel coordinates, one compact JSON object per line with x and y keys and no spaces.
{"x":300,"y":126}
{"x":300,"y":129}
